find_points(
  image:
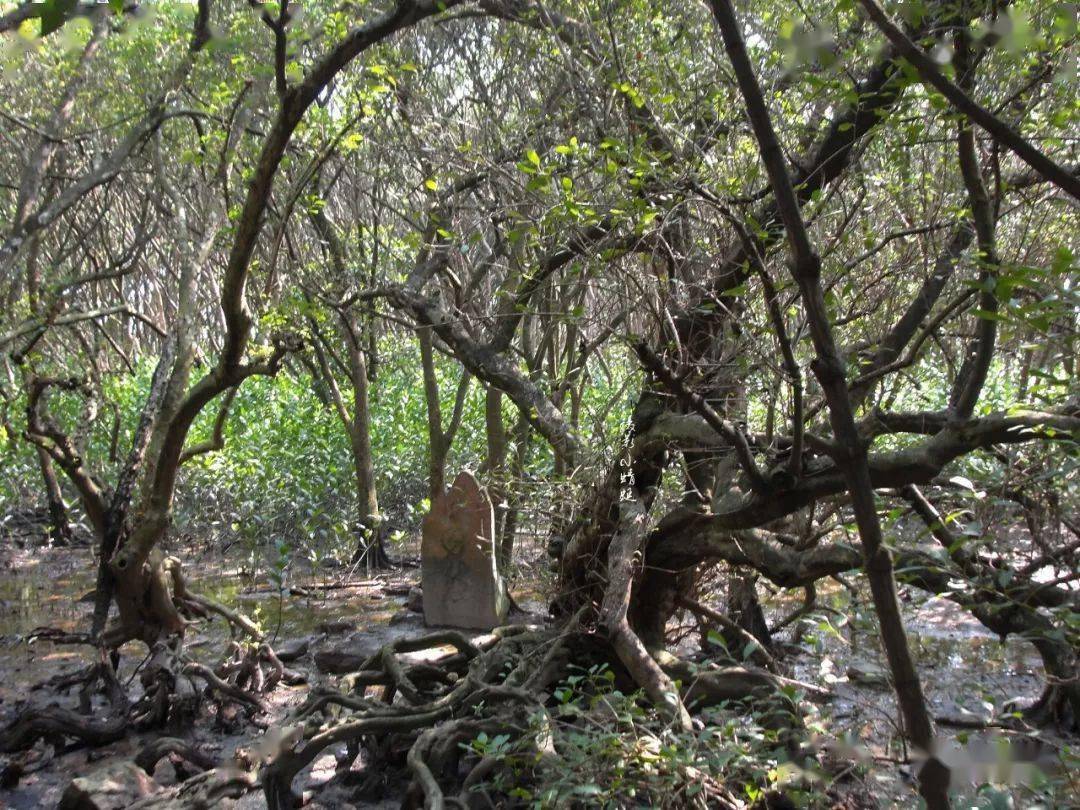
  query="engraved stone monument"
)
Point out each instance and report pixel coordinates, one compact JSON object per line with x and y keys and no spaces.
{"x":461,"y":582}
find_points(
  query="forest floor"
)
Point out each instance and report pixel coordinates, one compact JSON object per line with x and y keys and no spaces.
{"x":969,"y":674}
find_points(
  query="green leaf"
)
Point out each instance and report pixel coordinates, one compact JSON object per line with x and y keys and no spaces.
{"x":588,"y":790}
{"x":715,"y":638}
{"x":351,"y":142}
{"x":534,"y":158}
{"x":294,"y":73}
{"x":54,"y":13}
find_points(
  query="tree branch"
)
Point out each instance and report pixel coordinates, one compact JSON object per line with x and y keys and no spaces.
{"x":731,"y":433}
{"x":928,"y":70}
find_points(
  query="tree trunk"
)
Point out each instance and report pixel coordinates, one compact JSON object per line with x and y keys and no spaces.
{"x":745,"y":610}
{"x":830,"y":370}
{"x":437,"y":450}
{"x":370,"y":550}
{"x":495,"y":432}
{"x":508,"y":528}
{"x":59,"y":523}
{"x":105,"y":584}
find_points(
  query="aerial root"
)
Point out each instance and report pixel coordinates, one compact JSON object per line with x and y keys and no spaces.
{"x":707,"y":616}
{"x":624,"y":554}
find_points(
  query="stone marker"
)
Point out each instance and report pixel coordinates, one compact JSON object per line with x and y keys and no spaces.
{"x":461,"y":582}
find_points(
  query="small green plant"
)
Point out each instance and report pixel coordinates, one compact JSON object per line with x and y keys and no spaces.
{"x":278,"y":574}
{"x":599,"y":747}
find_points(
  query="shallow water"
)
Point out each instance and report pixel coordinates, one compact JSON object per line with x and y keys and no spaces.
{"x":966,"y":670}
{"x":42,"y":587}
{"x":967,"y":673}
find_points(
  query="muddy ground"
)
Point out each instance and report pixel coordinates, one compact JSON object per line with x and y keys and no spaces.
{"x":969,"y":675}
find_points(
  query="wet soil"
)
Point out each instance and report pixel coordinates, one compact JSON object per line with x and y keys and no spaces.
{"x":42,"y":587}
{"x":971,"y":679}
{"x":969,"y":675}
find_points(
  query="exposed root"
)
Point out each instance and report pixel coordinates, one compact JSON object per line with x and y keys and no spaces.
{"x":256,"y":668}
{"x":431,"y":712}
{"x":171,"y":695}
{"x":204,"y":790}
{"x":172,"y":699}
{"x":56,"y":723}
{"x":413,"y":698}
{"x":283,"y":763}
{"x":154,"y":752}
{"x":200,"y":605}
{"x":57,"y":636}
{"x":625,"y":548}
{"x":1058,"y":707}
{"x":438,"y":750}
{"x":418,"y":717}
{"x":224,"y":687}
{"x":152,"y":602}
